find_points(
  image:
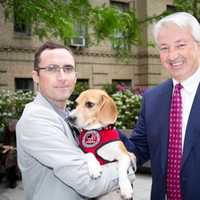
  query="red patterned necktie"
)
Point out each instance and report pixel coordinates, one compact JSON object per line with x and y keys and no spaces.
{"x":175,"y":146}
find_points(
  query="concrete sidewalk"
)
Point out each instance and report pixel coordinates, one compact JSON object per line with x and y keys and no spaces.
{"x":142,"y":189}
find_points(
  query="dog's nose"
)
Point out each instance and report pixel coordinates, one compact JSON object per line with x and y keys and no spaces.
{"x":72,"y":119}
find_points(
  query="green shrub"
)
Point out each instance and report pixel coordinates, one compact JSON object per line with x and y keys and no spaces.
{"x":12,"y":105}
{"x":128,"y":101}
{"x":128,"y":105}
{"x":110,"y":88}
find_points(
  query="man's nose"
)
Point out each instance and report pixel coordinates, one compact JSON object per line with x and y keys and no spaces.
{"x":172,"y":53}
{"x":61,"y":74}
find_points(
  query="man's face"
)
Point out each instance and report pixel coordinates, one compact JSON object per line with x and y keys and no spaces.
{"x":179,"y":52}
{"x":56,"y":86}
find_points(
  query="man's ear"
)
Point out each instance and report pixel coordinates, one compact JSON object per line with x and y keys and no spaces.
{"x":35,"y":76}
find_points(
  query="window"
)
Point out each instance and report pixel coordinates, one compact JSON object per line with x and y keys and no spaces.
{"x":25,"y":84}
{"x":171,"y":8}
{"x":123,"y":6}
{"x":122,"y":83}
{"x":22,"y":25}
{"x":79,"y":40}
{"x":119,"y":36}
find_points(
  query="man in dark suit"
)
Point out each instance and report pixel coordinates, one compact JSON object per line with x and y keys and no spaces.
{"x":177,"y":37}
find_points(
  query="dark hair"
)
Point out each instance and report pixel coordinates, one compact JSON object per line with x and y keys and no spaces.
{"x":47,"y":45}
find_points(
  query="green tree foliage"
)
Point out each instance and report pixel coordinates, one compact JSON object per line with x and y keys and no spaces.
{"x":192,"y":6}
{"x":57,"y":18}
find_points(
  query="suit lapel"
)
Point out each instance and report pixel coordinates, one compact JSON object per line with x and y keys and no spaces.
{"x":165,"y":100}
{"x":192,"y":127}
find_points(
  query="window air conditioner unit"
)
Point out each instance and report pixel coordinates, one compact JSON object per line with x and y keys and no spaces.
{"x":78,"y":41}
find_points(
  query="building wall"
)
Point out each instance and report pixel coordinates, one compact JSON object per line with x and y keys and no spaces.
{"x":97,"y":64}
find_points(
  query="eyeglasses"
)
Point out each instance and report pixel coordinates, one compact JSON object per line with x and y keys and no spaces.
{"x":53,"y":68}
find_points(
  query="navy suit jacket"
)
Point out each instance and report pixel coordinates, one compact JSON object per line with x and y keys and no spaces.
{"x":149,"y":141}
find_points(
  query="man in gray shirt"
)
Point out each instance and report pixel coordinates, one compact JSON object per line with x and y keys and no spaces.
{"x":53,"y":166}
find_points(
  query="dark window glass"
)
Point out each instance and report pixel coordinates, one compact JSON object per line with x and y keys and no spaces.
{"x":125,"y":82}
{"x":171,"y":8}
{"x":123,"y":6}
{"x":25,"y":84}
{"x":22,"y":25}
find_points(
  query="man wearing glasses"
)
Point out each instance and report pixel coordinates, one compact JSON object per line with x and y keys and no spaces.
{"x":53,"y":166}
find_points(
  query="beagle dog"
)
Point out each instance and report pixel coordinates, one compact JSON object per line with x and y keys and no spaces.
{"x":95,"y":116}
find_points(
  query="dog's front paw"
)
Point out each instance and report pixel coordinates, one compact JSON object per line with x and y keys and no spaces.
{"x":94,"y":167}
{"x":126,"y":190}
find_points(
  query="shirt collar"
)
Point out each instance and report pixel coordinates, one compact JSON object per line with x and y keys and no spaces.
{"x":191,"y":83}
{"x":64,"y":113}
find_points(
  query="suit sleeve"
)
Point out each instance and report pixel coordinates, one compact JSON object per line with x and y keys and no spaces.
{"x":42,"y":137}
{"x":137,"y":142}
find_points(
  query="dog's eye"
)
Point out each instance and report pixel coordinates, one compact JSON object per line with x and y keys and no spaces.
{"x":89,"y":104}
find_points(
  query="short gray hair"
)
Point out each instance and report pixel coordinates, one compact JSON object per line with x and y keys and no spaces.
{"x":181,"y":19}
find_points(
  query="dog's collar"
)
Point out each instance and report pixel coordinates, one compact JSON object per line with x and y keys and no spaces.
{"x":108,"y":127}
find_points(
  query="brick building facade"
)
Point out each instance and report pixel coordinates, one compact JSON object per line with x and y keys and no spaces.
{"x":97,"y":65}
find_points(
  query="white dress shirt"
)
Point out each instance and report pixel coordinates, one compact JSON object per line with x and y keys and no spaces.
{"x":188,"y":92}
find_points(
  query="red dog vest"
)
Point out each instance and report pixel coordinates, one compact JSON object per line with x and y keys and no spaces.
{"x":91,"y":140}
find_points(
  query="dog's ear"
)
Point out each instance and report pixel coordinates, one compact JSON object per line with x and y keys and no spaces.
{"x":108,"y":111}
